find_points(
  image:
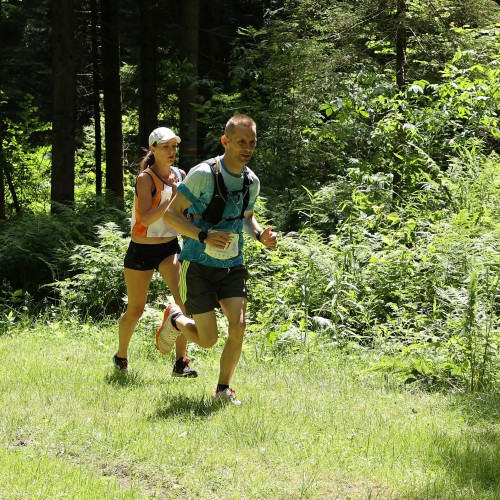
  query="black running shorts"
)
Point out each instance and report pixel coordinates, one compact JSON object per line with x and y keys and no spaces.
{"x":202,"y":287}
{"x":143,"y":257}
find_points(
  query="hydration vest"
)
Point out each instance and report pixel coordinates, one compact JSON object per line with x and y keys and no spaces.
{"x":213,"y":214}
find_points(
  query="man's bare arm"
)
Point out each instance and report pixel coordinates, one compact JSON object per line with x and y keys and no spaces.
{"x":174,"y":217}
{"x":266,"y":236}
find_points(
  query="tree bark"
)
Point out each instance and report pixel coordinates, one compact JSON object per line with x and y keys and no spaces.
{"x":12,"y":189}
{"x":2,"y":194}
{"x":112,"y":98}
{"x":2,"y":167}
{"x":401,"y":45}
{"x":148,"y":107}
{"x":64,"y":103}
{"x":400,"y":82}
{"x":189,"y":84}
{"x":96,"y":98}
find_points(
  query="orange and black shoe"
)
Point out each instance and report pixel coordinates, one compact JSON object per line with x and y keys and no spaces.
{"x":167,"y":334}
{"x":183,"y":370}
{"x":120,"y":363}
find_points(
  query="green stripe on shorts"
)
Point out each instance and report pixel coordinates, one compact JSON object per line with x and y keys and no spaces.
{"x":182,"y":284}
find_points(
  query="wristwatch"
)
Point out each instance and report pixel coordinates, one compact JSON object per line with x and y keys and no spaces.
{"x":202,"y":236}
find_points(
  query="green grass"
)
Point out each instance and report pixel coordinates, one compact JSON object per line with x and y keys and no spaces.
{"x":316,"y":425}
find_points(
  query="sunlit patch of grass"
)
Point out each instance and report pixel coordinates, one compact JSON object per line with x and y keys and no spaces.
{"x":312,"y":425}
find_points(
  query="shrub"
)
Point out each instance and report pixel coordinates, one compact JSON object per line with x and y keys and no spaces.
{"x":419,"y":281}
{"x":97,"y":287}
{"x":35,"y":248}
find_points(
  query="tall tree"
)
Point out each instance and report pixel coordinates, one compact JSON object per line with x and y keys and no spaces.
{"x":112,"y":97}
{"x":2,"y":182}
{"x":2,"y":195}
{"x":148,"y":108}
{"x":2,"y":178}
{"x":96,"y":99}
{"x":5,"y":172}
{"x":189,"y":83}
{"x":401,"y":44}
{"x":63,"y":104}
{"x":400,"y":78}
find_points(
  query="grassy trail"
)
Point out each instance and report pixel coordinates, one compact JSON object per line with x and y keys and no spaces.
{"x":315,"y":425}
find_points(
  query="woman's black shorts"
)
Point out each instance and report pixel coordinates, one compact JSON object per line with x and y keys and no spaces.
{"x":143,"y":257}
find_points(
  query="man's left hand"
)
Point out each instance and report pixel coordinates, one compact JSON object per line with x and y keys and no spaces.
{"x":268,"y":238}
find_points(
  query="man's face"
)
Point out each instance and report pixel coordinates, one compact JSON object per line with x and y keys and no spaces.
{"x":239,"y":145}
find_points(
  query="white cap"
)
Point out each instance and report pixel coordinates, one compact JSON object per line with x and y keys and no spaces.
{"x":161,"y":135}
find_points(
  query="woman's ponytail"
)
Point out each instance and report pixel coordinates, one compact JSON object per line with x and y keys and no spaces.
{"x":147,"y":161}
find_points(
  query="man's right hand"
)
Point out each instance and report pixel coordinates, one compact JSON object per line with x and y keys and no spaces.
{"x":218,"y":239}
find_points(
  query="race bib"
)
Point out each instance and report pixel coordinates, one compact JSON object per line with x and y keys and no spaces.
{"x":229,"y":252}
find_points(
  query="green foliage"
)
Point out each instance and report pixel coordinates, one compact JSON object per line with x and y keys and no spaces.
{"x":14,"y":307}
{"x":279,"y":76}
{"x":27,"y":154}
{"x":419,"y":281}
{"x":324,"y":105}
{"x":414,"y":135}
{"x":298,"y":273}
{"x":96,"y":287}
{"x":32,"y":247}
{"x":35,"y":249}
{"x":433,"y":32}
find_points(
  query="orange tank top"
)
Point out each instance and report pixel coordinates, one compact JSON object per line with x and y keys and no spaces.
{"x":162,"y":191}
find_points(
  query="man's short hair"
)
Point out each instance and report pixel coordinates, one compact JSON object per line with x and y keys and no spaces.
{"x":239,"y":120}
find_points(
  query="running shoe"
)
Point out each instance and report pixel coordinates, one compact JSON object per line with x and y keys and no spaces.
{"x":183,"y":370}
{"x":120,"y":363}
{"x":226,"y":396}
{"x":166,"y":335}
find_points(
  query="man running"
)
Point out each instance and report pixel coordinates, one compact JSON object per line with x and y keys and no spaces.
{"x":212,"y":272}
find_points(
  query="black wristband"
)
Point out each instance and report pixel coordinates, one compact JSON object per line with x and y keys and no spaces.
{"x":202,"y":236}
{"x":258,"y":234}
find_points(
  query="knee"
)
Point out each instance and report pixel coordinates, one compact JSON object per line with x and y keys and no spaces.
{"x":134,"y":312}
{"x":237,"y":330}
{"x":208,"y":342}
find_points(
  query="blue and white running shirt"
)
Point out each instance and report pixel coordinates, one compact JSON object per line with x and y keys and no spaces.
{"x":198,"y":187}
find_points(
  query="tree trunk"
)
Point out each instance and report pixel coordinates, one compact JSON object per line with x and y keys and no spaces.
{"x":2,"y":167}
{"x":2,"y":195}
{"x":2,"y":178}
{"x":148,"y":108}
{"x":189,"y":84}
{"x":64,"y":104}
{"x":5,"y":177}
{"x":401,"y":45}
{"x":96,"y":99}
{"x":400,"y":81}
{"x":12,"y":189}
{"x":112,"y":98}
